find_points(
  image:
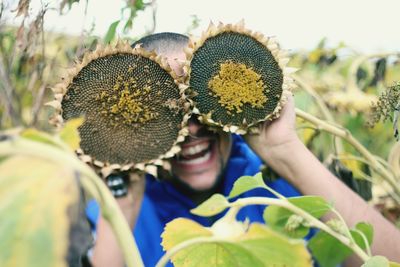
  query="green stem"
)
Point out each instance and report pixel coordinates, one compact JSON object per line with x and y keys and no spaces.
{"x":311,"y":219}
{"x":230,"y":215}
{"x":112,"y":213}
{"x":90,"y":182}
{"x":344,"y":223}
{"x":366,"y":243}
{"x":322,"y":106}
{"x":346,"y":135}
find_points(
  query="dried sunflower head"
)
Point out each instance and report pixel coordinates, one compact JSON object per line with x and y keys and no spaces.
{"x":387,"y":107}
{"x":352,"y":101}
{"x":132,"y":104}
{"x":384,"y":108}
{"x":238,"y":78}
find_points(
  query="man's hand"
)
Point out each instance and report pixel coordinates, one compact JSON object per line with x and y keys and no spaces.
{"x":275,"y":135}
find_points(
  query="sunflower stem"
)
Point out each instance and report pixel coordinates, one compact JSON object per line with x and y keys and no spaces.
{"x":346,"y":135}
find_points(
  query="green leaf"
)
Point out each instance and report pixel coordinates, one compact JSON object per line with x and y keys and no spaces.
{"x":70,"y":135}
{"x":368,"y":232}
{"x":376,"y":261}
{"x":139,"y":5}
{"x":35,"y":195}
{"x":111,"y":32}
{"x":277,"y":217}
{"x":128,"y":25}
{"x":212,"y":206}
{"x":322,"y":246}
{"x":246,"y":183}
{"x":259,"y":247}
{"x":65,"y":2}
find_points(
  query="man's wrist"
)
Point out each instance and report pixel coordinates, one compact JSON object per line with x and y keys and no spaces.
{"x":281,"y":151}
{"x":283,"y":157}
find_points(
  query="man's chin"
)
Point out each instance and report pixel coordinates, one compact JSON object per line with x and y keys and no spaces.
{"x":200,"y":181}
{"x":197,"y":183}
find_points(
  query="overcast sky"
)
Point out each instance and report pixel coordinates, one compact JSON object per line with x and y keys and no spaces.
{"x":366,"y":25}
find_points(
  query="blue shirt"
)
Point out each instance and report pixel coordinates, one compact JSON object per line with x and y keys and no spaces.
{"x":162,"y":202}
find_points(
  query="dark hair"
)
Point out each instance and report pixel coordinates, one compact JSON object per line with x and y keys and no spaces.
{"x":163,"y":42}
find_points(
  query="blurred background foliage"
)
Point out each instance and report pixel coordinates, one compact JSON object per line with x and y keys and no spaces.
{"x":337,"y":84}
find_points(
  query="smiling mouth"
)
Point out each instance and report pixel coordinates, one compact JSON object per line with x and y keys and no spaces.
{"x":196,"y":152}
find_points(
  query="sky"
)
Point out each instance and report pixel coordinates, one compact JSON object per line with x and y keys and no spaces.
{"x":366,"y":25}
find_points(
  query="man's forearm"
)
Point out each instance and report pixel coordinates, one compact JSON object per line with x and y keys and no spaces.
{"x":305,"y":172}
{"x":106,"y":251}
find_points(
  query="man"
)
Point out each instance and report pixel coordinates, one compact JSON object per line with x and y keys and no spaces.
{"x":210,"y":162}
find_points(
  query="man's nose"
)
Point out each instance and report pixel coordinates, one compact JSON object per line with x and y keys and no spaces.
{"x":194,"y":125}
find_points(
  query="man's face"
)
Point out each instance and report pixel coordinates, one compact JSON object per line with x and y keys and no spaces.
{"x":204,"y":153}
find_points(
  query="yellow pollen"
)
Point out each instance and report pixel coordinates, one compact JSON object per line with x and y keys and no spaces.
{"x":126,"y":103}
{"x":235,"y":85}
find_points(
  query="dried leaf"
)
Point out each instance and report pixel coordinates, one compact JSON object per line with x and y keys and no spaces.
{"x":20,"y":34}
{"x":36,"y":26}
{"x":23,"y":8}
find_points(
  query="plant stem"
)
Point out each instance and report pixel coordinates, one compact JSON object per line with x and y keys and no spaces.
{"x":230,"y":215}
{"x":344,"y":223}
{"x":112,"y":213}
{"x":311,"y":219}
{"x":394,"y":158}
{"x":322,"y":106}
{"x":346,"y":135}
{"x":365,"y":240}
{"x":90,"y":182}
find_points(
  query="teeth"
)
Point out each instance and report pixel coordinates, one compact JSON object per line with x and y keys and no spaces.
{"x":192,"y":150}
{"x":199,"y":160}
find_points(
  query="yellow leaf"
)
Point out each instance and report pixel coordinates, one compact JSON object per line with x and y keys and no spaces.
{"x":34,"y":197}
{"x":259,"y":247}
{"x":274,"y":249}
{"x":354,"y":165}
{"x":181,"y":229}
{"x":70,"y":135}
{"x":35,"y":135}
